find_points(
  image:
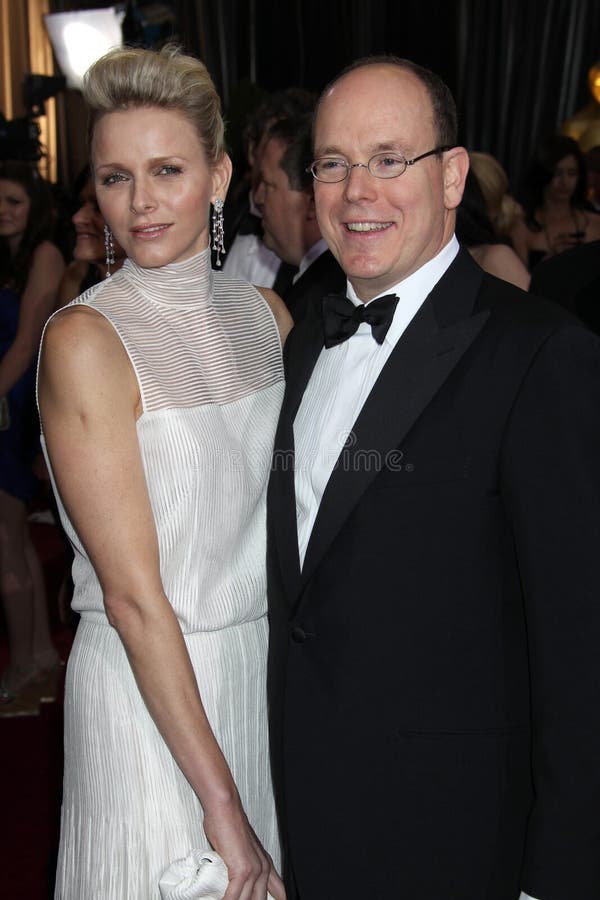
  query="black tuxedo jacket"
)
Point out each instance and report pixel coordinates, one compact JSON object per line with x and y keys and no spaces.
{"x":434,"y":679}
{"x":323,"y":276}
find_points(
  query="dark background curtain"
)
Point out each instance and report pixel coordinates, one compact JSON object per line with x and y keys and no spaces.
{"x":518,"y":68}
{"x":522,"y":70}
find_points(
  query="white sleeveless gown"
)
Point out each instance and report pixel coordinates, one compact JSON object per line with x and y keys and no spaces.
{"x":206,"y":353}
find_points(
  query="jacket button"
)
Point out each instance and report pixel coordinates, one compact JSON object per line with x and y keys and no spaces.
{"x":298,"y":634}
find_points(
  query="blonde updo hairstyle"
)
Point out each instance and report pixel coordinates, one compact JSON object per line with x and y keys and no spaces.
{"x":129,"y":77}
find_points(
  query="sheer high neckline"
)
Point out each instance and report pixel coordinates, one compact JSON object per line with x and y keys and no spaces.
{"x":176,"y":284}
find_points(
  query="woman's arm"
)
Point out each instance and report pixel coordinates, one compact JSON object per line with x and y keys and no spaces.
{"x":89,"y":403}
{"x":503,"y":262}
{"x":37,"y":303}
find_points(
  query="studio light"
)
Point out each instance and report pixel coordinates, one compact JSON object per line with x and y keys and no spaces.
{"x":80,"y":38}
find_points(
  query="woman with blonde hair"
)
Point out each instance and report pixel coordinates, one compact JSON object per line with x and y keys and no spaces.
{"x":503,"y":209}
{"x":159,"y":390}
{"x":475,"y":231}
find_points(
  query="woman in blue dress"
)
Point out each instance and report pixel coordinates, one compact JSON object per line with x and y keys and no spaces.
{"x":31,"y":267}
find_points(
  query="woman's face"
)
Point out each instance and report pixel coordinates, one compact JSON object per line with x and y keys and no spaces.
{"x":154,"y":184}
{"x":14,"y":211}
{"x":89,"y":228}
{"x":562,"y":186}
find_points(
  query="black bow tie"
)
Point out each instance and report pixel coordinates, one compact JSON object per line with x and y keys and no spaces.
{"x":341,"y":318}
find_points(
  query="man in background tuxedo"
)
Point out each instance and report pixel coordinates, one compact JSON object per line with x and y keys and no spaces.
{"x":433,"y":533}
{"x":285,"y":199}
{"x":247,"y":256}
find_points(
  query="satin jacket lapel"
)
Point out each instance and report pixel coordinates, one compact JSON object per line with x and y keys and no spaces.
{"x":304,"y":346}
{"x":432,"y":345}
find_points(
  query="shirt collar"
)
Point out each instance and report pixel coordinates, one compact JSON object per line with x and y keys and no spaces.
{"x":308,"y":259}
{"x":412,"y":291}
{"x":252,"y":207}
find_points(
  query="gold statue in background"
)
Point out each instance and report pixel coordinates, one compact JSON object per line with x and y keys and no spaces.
{"x":584,"y":125}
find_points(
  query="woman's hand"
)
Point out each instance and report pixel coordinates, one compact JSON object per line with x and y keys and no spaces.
{"x":250,"y":868}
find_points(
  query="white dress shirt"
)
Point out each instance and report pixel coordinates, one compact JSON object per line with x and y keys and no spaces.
{"x":341,"y":381}
{"x":248,"y":258}
{"x":308,"y":259}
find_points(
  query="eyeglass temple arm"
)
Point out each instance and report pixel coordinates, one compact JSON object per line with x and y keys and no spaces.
{"x":411,"y":162}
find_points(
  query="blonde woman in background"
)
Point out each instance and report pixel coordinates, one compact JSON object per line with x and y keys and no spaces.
{"x":474,"y":229}
{"x":503,"y":209}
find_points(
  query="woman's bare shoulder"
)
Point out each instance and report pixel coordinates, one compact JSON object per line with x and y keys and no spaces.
{"x":502,"y":261}
{"x":280,"y":311}
{"x":46,"y":252}
{"x":82,"y":357}
{"x":79,"y":336}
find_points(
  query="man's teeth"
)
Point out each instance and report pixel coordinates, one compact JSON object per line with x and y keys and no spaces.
{"x":367,"y":226}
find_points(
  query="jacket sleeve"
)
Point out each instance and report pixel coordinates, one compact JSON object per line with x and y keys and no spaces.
{"x":551,"y":484}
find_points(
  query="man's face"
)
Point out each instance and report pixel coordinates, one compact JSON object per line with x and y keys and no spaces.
{"x":382,"y":230}
{"x":283,"y":209}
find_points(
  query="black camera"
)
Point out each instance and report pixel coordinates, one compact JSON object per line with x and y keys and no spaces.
{"x":19,"y":138}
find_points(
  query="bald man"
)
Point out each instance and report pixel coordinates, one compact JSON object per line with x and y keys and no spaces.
{"x":433,"y":565}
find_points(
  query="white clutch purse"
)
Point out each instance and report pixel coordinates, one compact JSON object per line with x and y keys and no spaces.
{"x":202,"y":875}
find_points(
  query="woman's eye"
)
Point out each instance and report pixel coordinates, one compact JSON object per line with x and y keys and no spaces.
{"x":113,"y":178}
{"x":169,"y":170}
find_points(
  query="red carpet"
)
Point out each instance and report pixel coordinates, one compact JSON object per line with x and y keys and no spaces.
{"x":31,"y":761}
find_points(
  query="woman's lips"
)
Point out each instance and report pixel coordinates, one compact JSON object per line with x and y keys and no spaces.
{"x":149,"y":232}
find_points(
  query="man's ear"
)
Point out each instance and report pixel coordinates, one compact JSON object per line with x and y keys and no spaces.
{"x":455,"y":168}
{"x":221,"y":176}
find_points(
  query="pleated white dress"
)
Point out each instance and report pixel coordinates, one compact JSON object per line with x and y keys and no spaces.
{"x":206,"y":353}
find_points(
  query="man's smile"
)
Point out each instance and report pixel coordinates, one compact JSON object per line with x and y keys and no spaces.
{"x":368,"y":226}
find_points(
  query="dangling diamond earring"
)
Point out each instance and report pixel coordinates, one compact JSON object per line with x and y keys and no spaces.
{"x":218,"y":229}
{"x":110,"y":250}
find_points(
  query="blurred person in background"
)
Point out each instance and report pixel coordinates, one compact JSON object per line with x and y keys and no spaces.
{"x":247,"y":256}
{"x":592,"y":162}
{"x":31,"y":267}
{"x":475,"y":231}
{"x":503,"y":209}
{"x":285,"y":198}
{"x":90,"y":251}
{"x":554,"y":199}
